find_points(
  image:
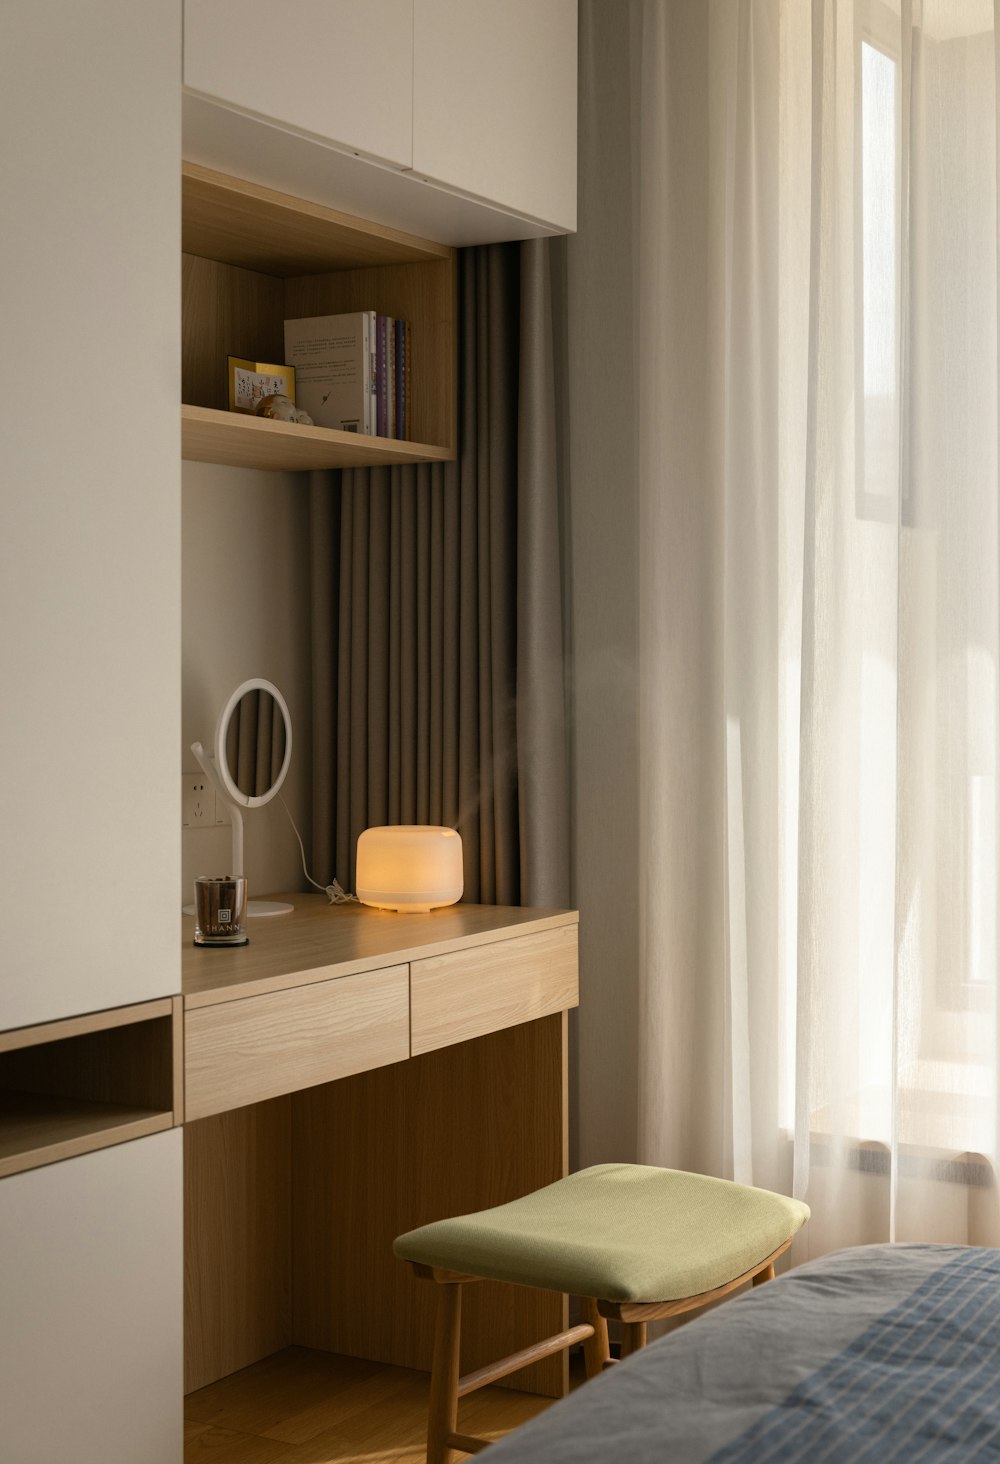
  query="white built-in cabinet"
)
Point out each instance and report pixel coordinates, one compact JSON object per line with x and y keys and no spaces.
{"x":91,"y":1325}
{"x":89,"y":506}
{"x":494,"y":102}
{"x":91,"y":1278}
{"x":342,"y":71}
{"x":452,"y":119}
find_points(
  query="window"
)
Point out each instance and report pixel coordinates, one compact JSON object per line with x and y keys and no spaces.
{"x":877,"y":276}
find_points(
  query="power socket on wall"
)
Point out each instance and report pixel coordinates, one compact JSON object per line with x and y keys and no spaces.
{"x":197,"y":801}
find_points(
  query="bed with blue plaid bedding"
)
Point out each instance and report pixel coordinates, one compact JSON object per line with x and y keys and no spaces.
{"x":886,"y":1352}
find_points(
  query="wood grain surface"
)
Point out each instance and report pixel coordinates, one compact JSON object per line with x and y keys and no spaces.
{"x":425,"y":295}
{"x":237,"y":1234}
{"x":237,"y":441}
{"x":454,"y":1131}
{"x":71,"y":1087}
{"x":248,"y":1051}
{"x":321,"y":941}
{"x":18,"y":1037}
{"x":467,"y":993}
{"x":36,"y":1129}
{"x":318,"y":1184}
{"x":258,"y":228}
{"x":307,"y":1407}
{"x":254,"y":258}
{"x":225,"y":312}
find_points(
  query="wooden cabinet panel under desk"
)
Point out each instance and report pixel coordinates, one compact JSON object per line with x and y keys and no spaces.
{"x":468,"y":993}
{"x":245,"y":1051}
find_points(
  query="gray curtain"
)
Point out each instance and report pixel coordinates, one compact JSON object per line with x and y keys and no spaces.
{"x":437,"y":616}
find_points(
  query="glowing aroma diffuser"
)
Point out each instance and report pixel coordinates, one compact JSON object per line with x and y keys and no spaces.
{"x":413,"y":867}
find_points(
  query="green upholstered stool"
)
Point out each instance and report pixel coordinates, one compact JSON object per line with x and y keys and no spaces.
{"x":636,"y":1243}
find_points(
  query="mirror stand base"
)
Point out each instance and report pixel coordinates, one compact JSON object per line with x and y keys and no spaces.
{"x":268,"y":907}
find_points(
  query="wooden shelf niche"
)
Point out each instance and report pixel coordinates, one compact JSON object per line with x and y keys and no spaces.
{"x":67,"y":1088}
{"x":253,"y":258}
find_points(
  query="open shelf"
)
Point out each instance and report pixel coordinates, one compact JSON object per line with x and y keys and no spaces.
{"x":211,"y":436}
{"x":70,"y":1087}
{"x":254,"y":258}
{"x":37,"y":1130}
{"x":256,"y":228}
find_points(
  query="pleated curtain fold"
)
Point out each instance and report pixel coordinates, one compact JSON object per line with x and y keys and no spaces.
{"x":435,"y":601}
{"x":814,"y":215}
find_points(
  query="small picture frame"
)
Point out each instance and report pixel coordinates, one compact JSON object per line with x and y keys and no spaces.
{"x":251,"y":381}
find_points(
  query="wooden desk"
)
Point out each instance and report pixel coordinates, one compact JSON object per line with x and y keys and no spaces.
{"x":349,"y":1075}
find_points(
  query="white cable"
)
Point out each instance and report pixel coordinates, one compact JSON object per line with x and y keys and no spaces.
{"x":337,"y":894}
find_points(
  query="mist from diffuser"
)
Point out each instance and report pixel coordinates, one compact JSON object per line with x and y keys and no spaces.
{"x":411,"y":867}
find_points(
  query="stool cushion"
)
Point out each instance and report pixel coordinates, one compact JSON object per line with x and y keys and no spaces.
{"x":618,"y":1232}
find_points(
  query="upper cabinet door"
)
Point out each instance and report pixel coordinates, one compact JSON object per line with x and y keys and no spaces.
{"x":89,"y":508}
{"x":339,"y":71}
{"x":494,"y":102}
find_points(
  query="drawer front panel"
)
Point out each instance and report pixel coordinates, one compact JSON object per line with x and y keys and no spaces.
{"x":472,"y":992}
{"x":246,"y":1051}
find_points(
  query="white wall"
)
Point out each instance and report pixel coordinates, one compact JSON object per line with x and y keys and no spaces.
{"x":246,"y":613}
{"x":90,"y":509}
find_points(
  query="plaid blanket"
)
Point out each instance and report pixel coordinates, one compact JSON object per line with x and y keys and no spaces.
{"x":869,"y":1355}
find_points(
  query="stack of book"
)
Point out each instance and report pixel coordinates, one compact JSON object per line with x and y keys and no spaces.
{"x":352,"y":371}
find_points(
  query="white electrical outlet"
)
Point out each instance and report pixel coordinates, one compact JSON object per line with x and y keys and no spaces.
{"x":197,"y":801}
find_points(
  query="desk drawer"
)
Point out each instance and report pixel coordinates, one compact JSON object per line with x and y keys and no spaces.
{"x":488,"y":987}
{"x":261,"y":1046}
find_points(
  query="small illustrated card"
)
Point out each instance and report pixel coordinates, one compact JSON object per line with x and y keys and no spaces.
{"x":251,"y":381}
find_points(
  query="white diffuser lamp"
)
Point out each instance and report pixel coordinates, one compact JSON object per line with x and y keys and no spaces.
{"x":414,"y":867}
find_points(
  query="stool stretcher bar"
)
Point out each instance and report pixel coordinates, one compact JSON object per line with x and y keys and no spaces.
{"x":524,"y":1358}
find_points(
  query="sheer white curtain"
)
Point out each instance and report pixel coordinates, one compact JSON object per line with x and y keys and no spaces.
{"x":815,"y":216}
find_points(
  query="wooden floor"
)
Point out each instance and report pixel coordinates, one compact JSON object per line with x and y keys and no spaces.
{"x":305,"y":1407}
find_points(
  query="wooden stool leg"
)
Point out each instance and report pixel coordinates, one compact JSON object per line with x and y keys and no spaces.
{"x":766,"y":1275}
{"x":633,"y":1337}
{"x":595,"y":1350}
{"x":442,"y":1414}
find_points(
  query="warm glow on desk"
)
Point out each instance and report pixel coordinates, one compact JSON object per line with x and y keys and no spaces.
{"x":414,"y":867}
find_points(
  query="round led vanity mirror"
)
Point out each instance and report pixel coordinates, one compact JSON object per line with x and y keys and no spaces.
{"x":253,"y":748}
{"x":253,"y":743}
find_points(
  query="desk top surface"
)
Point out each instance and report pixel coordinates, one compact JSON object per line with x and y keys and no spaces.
{"x":320,"y":941}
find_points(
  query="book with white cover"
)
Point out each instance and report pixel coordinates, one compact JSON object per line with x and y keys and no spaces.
{"x":334,"y":360}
